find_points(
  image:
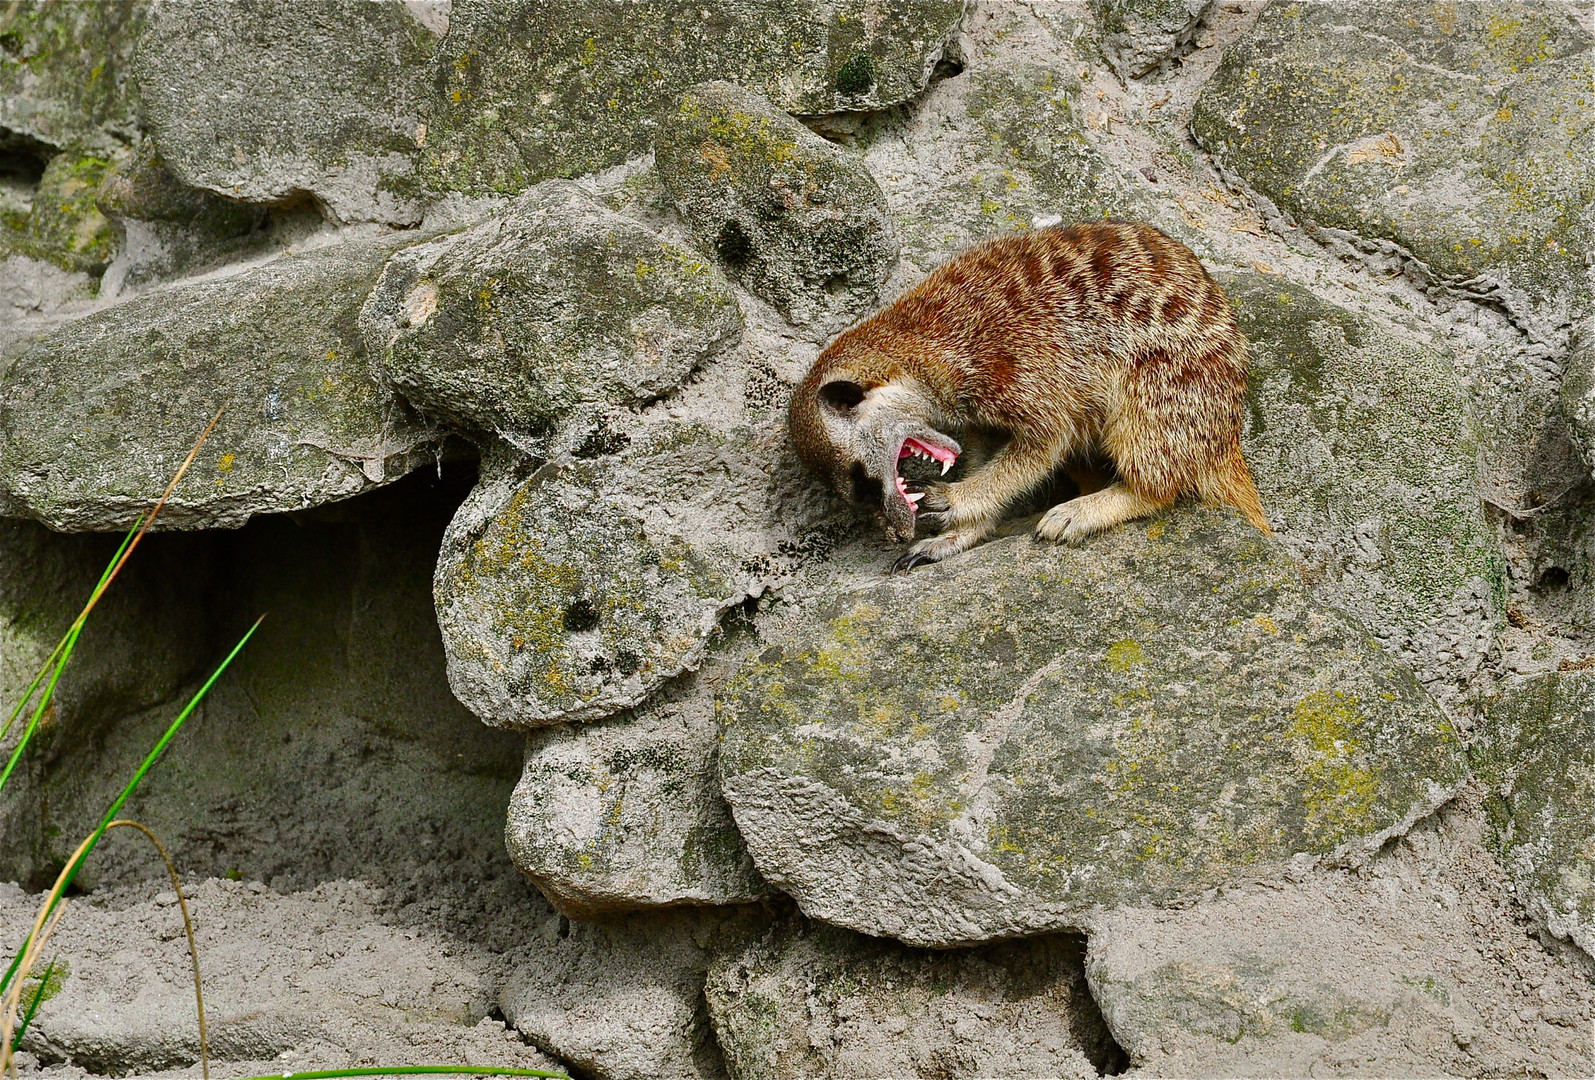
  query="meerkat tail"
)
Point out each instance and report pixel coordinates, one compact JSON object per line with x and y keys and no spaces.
{"x":1231,"y":485}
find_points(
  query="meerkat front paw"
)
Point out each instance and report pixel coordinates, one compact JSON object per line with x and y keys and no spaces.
{"x":931,"y":549}
{"x":1073,"y":521}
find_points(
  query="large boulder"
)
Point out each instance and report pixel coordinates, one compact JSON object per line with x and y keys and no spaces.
{"x":1359,"y":439}
{"x":573,"y":590}
{"x":626,"y":812}
{"x":810,"y":1000}
{"x":1460,"y":133}
{"x":1537,"y":752}
{"x":97,"y":414}
{"x":795,"y":219}
{"x":546,"y":311}
{"x":265,"y":102}
{"x":1132,"y":721}
{"x":65,"y":69}
{"x":540,"y":88}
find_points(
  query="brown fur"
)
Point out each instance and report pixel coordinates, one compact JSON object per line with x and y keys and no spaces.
{"x":1099,"y":338}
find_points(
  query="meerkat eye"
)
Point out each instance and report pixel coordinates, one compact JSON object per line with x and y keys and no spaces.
{"x":842,"y":397}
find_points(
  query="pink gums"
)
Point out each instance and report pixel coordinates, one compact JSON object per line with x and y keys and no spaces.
{"x":912,"y":446}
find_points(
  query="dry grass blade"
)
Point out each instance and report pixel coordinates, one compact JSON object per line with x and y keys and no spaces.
{"x":46,"y":922}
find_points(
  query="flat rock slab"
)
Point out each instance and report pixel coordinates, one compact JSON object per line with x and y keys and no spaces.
{"x":542,"y":88}
{"x":1537,"y":750}
{"x":1027,"y":735}
{"x":554,"y":305}
{"x":810,"y":1000}
{"x":1459,"y":132}
{"x":795,"y":219}
{"x":316,"y":97}
{"x":96,"y":416}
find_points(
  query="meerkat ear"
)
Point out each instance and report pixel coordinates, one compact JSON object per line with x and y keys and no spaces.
{"x":841,"y":396}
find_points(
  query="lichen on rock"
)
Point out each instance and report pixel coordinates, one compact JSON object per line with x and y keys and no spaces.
{"x":1536,"y":751}
{"x":96,"y":415}
{"x":315,"y":98}
{"x":545,"y":88}
{"x":793,"y":218}
{"x":523,"y":324}
{"x":1133,"y":721}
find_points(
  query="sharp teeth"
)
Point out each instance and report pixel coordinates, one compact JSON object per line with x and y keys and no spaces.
{"x":913,"y":500}
{"x":945,"y":466}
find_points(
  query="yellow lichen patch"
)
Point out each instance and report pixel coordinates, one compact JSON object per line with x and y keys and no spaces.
{"x":1125,"y":654}
{"x":225,"y":462}
{"x":1339,"y":789}
{"x":1267,"y":624}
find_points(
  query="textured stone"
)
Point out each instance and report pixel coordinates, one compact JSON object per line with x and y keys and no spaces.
{"x":1132,"y":721}
{"x":1460,"y":132}
{"x":1138,"y":35}
{"x":1358,"y":438}
{"x":574,"y":590}
{"x":165,"y":228}
{"x":1578,"y":392}
{"x":627,"y":812}
{"x":65,"y":68}
{"x":623,"y":1000}
{"x":1537,"y":752}
{"x":318,"y":97}
{"x":552,"y":308}
{"x":541,"y":88}
{"x":793,"y":218}
{"x":64,"y":224}
{"x":96,"y":415}
{"x":810,"y":1000}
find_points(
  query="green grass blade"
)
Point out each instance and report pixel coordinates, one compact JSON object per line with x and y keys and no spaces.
{"x":33,"y":1006}
{"x":411,"y":1070}
{"x":127,"y":790}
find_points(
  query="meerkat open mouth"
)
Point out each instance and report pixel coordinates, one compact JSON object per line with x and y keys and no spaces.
{"x":945,"y":455}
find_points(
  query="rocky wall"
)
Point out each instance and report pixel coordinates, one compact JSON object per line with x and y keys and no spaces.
{"x":573,"y":676}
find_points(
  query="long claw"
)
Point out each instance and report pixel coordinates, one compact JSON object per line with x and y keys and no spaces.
{"x":910,"y":559}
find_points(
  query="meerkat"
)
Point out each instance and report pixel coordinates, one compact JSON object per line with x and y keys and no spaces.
{"x":1105,"y":340}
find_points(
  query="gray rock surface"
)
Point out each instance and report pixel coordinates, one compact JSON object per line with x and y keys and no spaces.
{"x":1359,"y":441}
{"x":540,"y":88}
{"x":810,"y":1000}
{"x":65,"y":72}
{"x":1536,"y":751}
{"x":1138,"y":35}
{"x":1393,"y":971}
{"x":623,"y":1000}
{"x":564,"y":597}
{"x":626,"y":812}
{"x":1133,"y":721}
{"x":320,"y":98}
{"x":794,"y":219}
{"x":1458,"y":135}
{"x":549,"y":309}
{"x":96,"y":416}
{"x":296,"y":981}
{"x":164,"y":228}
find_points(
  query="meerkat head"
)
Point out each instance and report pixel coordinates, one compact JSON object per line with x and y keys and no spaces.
{"x":854,"y":434}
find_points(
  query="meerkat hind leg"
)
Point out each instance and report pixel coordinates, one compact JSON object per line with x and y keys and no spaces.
{"x":1078,"y":518}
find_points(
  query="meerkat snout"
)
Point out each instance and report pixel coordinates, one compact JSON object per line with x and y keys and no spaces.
{"x":1099,"y":339}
